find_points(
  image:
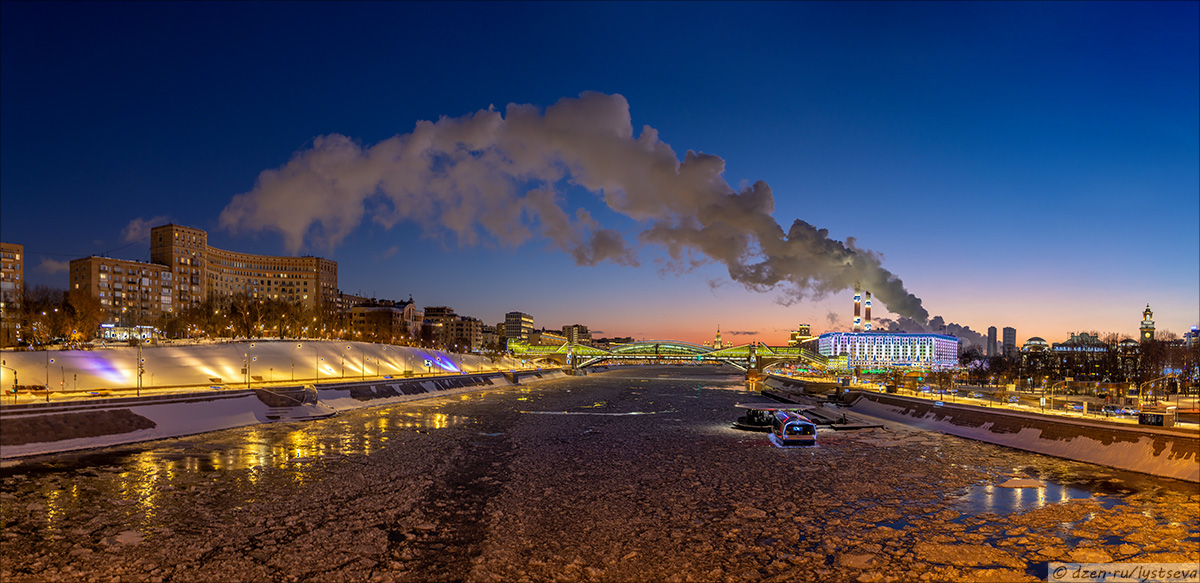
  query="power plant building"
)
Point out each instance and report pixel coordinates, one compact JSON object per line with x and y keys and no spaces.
{"x":879,"y":350}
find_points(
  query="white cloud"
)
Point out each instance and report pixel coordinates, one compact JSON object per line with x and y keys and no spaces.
{"x":139,"y":228}
{"x":496,"y":176}
{"x":54,"y":266}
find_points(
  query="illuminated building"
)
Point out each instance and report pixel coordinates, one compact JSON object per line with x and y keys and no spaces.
{"x":1147,"y":328}
{"x":12,"y":284}
{"x":802,"y":334}
{"x":873,"y":350}
{"x":517,"y":326}
{"x":577,"y":333}
{"x":202,"y":271}
{"x":132,"y":293}
{"x":991,"y":341}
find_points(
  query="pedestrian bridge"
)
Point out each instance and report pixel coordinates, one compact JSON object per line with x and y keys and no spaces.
{"x":751,"y":358}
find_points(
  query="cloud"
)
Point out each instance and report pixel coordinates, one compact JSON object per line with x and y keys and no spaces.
{"x":741,"y":332}
{"x":54,"y":266}
{"x":139,"y":228}
{"x":493,"y":177}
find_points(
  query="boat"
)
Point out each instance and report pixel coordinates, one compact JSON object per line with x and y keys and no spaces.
{"x":792,"y":429}
{"x":760,"y":416}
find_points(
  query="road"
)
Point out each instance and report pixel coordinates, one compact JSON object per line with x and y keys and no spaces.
{"x":633,"y":474}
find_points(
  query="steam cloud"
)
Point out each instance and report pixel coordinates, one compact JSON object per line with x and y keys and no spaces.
{"x":499,"y":176}
{"x":936,"y":325}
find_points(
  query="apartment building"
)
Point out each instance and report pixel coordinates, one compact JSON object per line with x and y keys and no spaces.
{"x":12,"y":292}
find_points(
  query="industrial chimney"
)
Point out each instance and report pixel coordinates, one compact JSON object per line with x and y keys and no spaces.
{"x":867,"y":325}
{"x":857,"y":311}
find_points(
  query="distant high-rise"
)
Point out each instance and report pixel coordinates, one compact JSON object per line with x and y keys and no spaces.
{"x":1010,"y":342}
{"x":991,"y":345}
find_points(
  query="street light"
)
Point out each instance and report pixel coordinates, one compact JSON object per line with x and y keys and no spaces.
{"x":14,"y":389}
{"x":1150,"y":382}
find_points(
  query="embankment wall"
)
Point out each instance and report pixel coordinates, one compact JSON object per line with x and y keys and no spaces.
{"x":45,"y":428}
{"x":1168,"y":452}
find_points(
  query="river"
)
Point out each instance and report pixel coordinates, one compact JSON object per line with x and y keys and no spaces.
{"x":630,"y":474}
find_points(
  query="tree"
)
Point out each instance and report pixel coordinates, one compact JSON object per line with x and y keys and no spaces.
{"x":84,"y":314}
{"x":973,"y":360}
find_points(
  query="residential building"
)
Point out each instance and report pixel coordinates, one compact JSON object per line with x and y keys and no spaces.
{"x":517,"y":326}
{"x":577,"y":334}
{"x":463,"y":334}
{"x":132,"y":293}
{"x":387,"y":321}
{"x":201,"y":271}
{"x":12,"y":292}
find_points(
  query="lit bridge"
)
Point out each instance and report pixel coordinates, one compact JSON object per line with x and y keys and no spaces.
{"x":751,"y":358}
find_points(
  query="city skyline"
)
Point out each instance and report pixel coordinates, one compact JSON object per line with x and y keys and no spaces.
{"x":1081,"y":117}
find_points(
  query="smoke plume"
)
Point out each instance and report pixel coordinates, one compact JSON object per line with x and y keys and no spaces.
{"x":936,"y":325}
{"x":499,"y":177}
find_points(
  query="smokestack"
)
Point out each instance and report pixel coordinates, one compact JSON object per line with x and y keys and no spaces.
{"x":857,"y":310}
{"x":868,"y":318}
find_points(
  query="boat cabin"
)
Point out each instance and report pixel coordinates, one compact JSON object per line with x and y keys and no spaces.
{"x":791,"y":429}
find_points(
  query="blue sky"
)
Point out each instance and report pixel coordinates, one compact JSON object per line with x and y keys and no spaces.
{"x":1015,"y":164}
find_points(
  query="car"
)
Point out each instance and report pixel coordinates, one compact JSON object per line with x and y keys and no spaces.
{"x":1075,"y":406}
{"x":1110,"y":410}
{"x":1129,"y":411}
{"x":1014,"y":399}
{"x":976,"y":395}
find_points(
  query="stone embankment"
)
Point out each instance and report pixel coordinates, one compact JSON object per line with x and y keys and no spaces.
{"x":1167,"y":452}
{"x":43,"y":428}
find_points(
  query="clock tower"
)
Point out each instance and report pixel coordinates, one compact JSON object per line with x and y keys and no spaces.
{"x":1147,"y":328}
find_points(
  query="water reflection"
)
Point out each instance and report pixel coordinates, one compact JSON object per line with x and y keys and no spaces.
{"x":1003,"y":500}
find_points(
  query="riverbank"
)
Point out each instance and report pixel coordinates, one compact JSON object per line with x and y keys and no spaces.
{"x":60,"y":426}
{"x":1167,"y":452}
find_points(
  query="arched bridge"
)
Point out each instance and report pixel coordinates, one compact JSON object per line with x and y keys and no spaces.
{"x":750,"y":358}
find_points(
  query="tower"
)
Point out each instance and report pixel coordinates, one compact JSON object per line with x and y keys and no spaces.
{"x":717,"y":341}
{"x":991,"y":341}
{"x":857,"y":311}
{"x":1147,"y":329}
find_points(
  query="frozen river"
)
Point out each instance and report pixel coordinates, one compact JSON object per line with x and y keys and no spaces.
{"x":633,"y":474}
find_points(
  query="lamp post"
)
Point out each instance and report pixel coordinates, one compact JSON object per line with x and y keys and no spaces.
{"x":1151,"y":381}
{"x":1051,"y":394}
{"x":14,"y":389}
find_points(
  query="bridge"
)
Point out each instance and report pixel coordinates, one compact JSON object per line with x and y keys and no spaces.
{"x":752,"y":358}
